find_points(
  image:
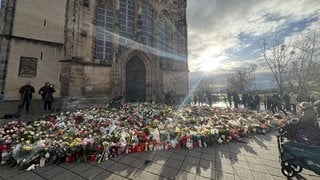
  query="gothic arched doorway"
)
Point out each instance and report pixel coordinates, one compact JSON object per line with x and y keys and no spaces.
{"x":135,"y":80}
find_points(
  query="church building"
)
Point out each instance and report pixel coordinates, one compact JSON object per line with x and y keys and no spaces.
{"x":95,"y":50}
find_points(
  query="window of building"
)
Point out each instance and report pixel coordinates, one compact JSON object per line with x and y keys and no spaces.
{"x":28,"y":67}
{"x":126,"y":22}
{"x":147,"y":24}
{"x":165,"y":44}
{"x":104,"y":35}
{"x":179,"y":38}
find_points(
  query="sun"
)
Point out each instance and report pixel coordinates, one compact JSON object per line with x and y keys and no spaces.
{"x":205,"y":65}
{"x":209,"y":60}
{"x":210,"y":64}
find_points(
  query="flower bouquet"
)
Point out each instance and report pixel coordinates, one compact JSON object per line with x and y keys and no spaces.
{"x":25,"y":153}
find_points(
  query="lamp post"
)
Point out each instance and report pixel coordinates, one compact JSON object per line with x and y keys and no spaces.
{"x":253,"y":68}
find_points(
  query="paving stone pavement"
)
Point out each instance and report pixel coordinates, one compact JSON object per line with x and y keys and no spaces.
{"x":256,"y":159}
{"x":11,"y":107}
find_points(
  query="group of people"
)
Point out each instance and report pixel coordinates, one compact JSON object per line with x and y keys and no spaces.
{"x":46,"y":92}
{"x":248,"y":100}
{"x":273,"y":102}
{"x":204,"y":98}
{"x":251,"y":100}
{"x":288,"y":102}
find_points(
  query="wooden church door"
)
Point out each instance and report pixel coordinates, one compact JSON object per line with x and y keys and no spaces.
{"x":135,"y":80}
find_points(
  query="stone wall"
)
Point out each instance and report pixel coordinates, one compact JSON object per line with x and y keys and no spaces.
{"x":48,"y":68}
{"x":61,"y":35}
{"x":32,"y":29}
{"x":40,"y":20}
{"x":6,"y":19}
{"x":79,"y":44}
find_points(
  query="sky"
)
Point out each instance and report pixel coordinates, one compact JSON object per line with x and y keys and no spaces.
{"x":224,"y":35}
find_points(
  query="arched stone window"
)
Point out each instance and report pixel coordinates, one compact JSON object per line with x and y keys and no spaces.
{"x":126,"y":22}
{"x":165,"y":40}
{"x":147,"y":24}
{"x":104,"y":33}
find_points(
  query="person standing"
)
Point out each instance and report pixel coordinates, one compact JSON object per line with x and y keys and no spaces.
{"x":47,"y":96}
{"x":25,"y":94}
{"x":245,"y":99}
{"x":257,"y":102}
{"x":287,"y":105}
{"x":229,"y":98}
{"x":293,"y":102}
{"x":195,"y":99}
{"x":236,"y":100}
{"x":265,"y":100}
{"x":276,"y":104}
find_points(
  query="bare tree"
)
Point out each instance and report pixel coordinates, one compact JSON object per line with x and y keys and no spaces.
{"x":317,"y":79}
{"x":277,"y":57}
{"x":241,"y":80}
{"x":304,"y":70}
{"x":207,"y":84}
{"x":202,"y":82}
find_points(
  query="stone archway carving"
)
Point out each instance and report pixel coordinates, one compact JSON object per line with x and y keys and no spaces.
{"x":150,"y":73}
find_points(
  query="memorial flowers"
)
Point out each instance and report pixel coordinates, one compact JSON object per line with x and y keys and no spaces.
{"x":96,"y":134}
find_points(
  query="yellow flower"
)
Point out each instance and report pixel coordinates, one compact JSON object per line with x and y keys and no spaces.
{"x":75,"y":142}
{"x":105,"y":143}
{"x":26,"y":148}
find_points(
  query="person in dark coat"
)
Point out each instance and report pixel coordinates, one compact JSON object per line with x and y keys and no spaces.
{"x":236,"y":100}
{"x":276,"y":104}
{"x":245,"y":99}
{"x":287,"y":105}
{"x":195,"y":99}
{"x":257,"y":102}
{"x":25,"y":94}
{"x":229,"y":98}
{"x":250,"y":101}
{"x":46,"y":93}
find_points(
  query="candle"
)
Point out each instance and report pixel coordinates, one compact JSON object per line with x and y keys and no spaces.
{"x":42,"y":162}
{"x":69,"y":158}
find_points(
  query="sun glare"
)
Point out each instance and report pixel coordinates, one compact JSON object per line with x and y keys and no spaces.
{"x":207,"y":63}
{"x":210,"y":64}
{"x":210,"y":60}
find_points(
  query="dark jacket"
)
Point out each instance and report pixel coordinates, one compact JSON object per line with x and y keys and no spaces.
{"x":26,"y":92}
{"x":47,"y":93}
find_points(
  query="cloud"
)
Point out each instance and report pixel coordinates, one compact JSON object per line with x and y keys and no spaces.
{"x":225,"y":29}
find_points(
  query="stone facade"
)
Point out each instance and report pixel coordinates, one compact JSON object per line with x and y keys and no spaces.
{"x":31,"y":32}
{"x":148,"y":62}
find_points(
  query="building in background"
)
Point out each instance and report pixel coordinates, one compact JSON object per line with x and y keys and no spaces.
{"x":94,"y":50}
